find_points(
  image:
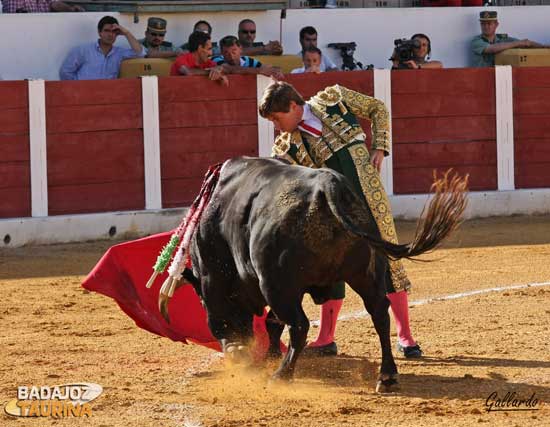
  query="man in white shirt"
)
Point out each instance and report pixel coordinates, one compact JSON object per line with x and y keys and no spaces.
{"x":312,"y":59}
{"x":308,"y":38}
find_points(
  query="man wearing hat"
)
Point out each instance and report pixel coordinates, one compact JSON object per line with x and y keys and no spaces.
{"x":154,"y":41}
{"x":489,"y":43}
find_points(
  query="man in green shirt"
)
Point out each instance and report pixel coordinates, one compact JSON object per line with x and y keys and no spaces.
{"x":154,"y":42}
{"x":489,"y":43}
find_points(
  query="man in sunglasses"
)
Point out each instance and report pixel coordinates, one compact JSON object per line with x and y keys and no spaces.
{"x":247,"y":35}
{"x":204,"y":27}
{"x":154,"y":43}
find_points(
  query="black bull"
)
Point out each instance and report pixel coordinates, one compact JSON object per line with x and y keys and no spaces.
{"x":273,"y":232}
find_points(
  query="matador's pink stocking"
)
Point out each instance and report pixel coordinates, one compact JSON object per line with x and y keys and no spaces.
{"x":329,"y":317}
{"x":400,"y":307}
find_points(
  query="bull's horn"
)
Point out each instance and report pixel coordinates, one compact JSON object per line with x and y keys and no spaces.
{"x":166,"y":286}
{"x":172,"y":288}
{"x":163,"y":307}
{"x":151,"y":280}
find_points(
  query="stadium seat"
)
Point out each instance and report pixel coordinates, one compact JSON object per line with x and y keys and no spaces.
{"x":286,"y":62}
{"x":145,"y":67}
{"x":524,"y":57}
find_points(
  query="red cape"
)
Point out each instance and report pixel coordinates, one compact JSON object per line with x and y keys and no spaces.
{"x":122,"y":274}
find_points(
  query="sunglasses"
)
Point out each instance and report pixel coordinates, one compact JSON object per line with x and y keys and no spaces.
{"x":248,"y":31}
{"x":157,"y":34}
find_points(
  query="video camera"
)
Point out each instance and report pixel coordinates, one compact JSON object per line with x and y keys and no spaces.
{"x":348,"y":61}
{"x":404,"y":51}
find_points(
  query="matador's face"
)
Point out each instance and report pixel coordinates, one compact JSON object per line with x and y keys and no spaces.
{"x":287,"y":122}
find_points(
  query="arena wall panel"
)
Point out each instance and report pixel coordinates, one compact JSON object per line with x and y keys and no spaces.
{"x":15,"y":189}
{"x":443,"y":119}
{"x":532,"y":127}
{"x":202,"y":123}
{"x":95,"y":141}
{"x":95,"y":146}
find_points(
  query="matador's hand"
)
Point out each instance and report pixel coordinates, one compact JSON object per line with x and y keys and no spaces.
{"x":376,"y":158}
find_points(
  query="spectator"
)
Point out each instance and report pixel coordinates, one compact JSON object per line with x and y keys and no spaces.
{"x":38,"y":6}
{"x":421,"y":55}
{"x":233,"y":62}
{"x":100,"y":59}
{"x":154,"y":43}
{"x":488,"y":43}
{"x":312,"y":57}
{"x":247,"y":35}
{"x":197,"y":61}
{"x":308,"y":37}
{"x":204,"y":27}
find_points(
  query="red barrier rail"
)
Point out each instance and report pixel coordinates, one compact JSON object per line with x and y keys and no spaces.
{"x":531,"y":127}
{"x":95,"y":158}
{"x":15,"y":180}
{"x":443,"y":119}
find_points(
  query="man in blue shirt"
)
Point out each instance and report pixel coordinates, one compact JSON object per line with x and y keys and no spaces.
{"x":233,"y":61}
{"x":101,"y":59}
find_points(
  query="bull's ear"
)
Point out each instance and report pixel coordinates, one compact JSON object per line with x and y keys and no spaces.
{"x":189,"y":277}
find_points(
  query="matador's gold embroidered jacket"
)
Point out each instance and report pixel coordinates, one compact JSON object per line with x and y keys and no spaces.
{"x":338,"y":108}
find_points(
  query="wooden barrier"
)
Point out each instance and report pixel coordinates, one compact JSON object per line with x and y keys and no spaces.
{"x":443,"y":119}
{"x":532,"y":127}
{"x":95,"y":146}
{"x":15,"y":187}
{"x":202,"y":123}
{"x":95,"y":157}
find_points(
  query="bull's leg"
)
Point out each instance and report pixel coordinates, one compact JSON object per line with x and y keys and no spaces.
{"x":229,"y":325}
{"x":377,"y":306}
{"x":234,"y":335}
{"x":293,"y":315}
{"x":274,"y":329}
{"x":236,"y":347}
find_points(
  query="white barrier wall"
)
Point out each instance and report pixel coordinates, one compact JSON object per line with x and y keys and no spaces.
{"x":33,"y":46}
{"x":449,"y":28}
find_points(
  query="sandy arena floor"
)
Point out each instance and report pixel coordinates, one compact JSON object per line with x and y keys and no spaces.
{"x":54,"y":332}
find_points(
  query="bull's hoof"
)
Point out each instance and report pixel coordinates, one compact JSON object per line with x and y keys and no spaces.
{"x":237,"y":353}
{"x":274,"y":354}
{"x":326,"y":350}
{"x":387,"y":385}
{"x":281,"y":377}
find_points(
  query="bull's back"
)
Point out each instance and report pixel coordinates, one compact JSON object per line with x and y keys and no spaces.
{"x":274,"y":208}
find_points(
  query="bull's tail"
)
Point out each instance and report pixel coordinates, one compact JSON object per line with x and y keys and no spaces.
{"x":439,"y":219}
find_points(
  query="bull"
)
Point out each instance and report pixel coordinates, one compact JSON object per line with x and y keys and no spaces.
{"x":274,"y":232}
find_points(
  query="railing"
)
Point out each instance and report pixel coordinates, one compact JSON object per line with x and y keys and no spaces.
{"x":143,"y":145}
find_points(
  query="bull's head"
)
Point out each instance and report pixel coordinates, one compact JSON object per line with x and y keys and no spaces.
{"x":170,"y":286}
